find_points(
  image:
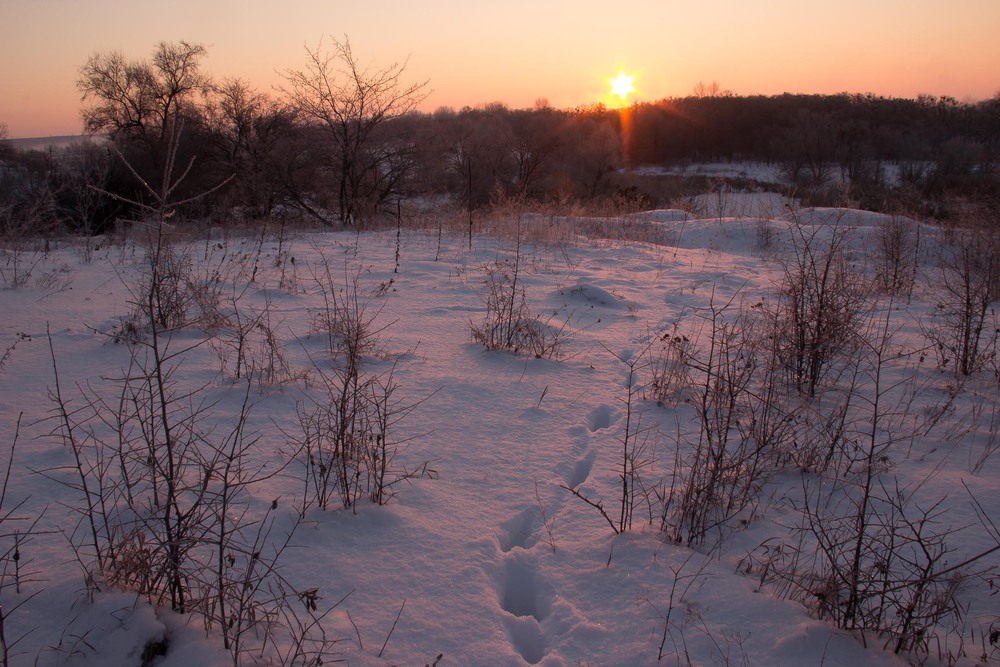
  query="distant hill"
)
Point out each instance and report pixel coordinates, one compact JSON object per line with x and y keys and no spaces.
{"x":42,"y":143}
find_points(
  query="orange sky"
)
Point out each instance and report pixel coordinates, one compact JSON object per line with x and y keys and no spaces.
{"x":518,"y":51}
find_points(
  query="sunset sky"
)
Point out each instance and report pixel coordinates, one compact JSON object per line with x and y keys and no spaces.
{"x":518,"y":51}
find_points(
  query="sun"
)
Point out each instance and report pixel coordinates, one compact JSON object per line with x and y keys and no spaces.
{"x":621,"y":85}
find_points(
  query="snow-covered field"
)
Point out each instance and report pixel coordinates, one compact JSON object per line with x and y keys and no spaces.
{"x":484,"y":555}
{"x":757,"y":171}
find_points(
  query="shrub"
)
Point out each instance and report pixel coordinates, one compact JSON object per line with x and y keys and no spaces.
{"x":822,"y":302}
{"x":969,"y":270}
{"x":509,"y":323}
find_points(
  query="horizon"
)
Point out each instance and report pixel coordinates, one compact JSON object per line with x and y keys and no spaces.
{"x":518,"y":53}
{"x":80,"y":134}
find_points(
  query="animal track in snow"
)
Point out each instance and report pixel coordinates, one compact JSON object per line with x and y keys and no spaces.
{"x":518,"y":531}
{"x":601,"y":417}
{"x":526,"y":597}
{"x":527,"y":639}
{"x":580,"y":437}
{"x":522,"y":592}
{"x":580,"y":472}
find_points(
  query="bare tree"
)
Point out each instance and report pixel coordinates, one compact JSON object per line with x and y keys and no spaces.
{"x":476,"y":156}
{"x":535,"y":141}
{"x":28,"y":211}
{"x":713,"y":89}
{"x":354,"y":105}
{"x":84,"y":176}
{"x":138,"y":98}
{"x":249,"y":130}
{"x":808,"y":147}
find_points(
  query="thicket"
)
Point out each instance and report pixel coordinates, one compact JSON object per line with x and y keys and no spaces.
{"x":814,"y":379}
{"x":165,"y":487}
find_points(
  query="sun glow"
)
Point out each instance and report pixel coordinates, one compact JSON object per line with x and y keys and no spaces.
{"x":621,"y":86}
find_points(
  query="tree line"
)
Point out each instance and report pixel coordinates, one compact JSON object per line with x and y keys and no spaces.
{"x":344,"y":143}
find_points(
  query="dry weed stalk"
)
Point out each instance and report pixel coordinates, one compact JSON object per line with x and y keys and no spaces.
{"x":346,"y":435}
{"x":822,"y":303}
{"x":16,"y":573}
{"x":968,"y":272}
{"x":637,"y":455}
{"x":509,"y":323}
{"x":721,"y":478}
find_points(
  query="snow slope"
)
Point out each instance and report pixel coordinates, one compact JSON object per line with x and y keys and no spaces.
{"x":486,"y":558}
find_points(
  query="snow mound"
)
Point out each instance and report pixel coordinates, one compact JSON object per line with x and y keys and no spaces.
{"x":662,"y":215}
{"x":592,"y":296}
{"x":729,"y":204}
{"x":848,"y":217}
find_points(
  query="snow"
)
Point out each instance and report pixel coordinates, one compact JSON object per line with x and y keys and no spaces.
{"x":487,"y":559}
{"x":757,"y":171}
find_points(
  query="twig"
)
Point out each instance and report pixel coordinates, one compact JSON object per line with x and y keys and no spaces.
{"x":392,"y":629}
{"x":598,"y":506}
{"x":361,"y":644}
